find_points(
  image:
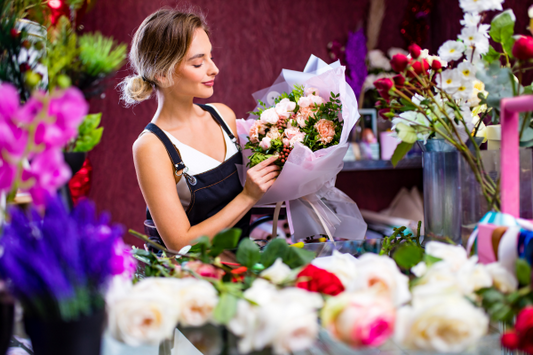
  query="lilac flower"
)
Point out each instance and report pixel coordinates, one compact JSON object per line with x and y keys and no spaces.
{"x":59,"y":262}
{"x":9,"y":102}
{"x":355,"y":60}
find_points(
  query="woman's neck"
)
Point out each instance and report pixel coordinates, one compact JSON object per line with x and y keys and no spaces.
{"x":174,"y":110}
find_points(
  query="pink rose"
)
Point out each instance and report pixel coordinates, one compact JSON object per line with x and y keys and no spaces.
{"x":205,"y":270}
{"x":265,"y":143}
{"x":269,"y":116}
{"x":326,"y":130}
{"x":311,"y":91}
{"x":303,"y":115}
{"x":274,"y":133}
{"x":285,"y":107}
{"x":291,"y":132}
{"x":304,"y":101}
{"x":359,"y":319}
{"x":257,"y":128}
{"x":299,"y":137}
{"x":317,"y":100}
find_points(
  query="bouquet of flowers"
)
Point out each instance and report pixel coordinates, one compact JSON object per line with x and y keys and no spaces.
{"x":301,"y":116}
{"x":306,"y":118}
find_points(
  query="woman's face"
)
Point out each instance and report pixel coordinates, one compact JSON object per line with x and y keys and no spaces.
{"x":195,"y":76}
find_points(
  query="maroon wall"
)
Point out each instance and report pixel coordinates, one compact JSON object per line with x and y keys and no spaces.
{"x":252,"y":42}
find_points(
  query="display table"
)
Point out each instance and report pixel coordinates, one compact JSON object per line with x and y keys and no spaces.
{"x":209,"y":340}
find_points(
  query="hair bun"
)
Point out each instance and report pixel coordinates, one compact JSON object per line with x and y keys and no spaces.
{"x":135,"y":89}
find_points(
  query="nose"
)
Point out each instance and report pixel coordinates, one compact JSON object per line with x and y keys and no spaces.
{"x":213,"y":69}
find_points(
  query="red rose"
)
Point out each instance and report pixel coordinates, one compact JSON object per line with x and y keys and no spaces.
{"x":383,"y":84}
{"x":419,"y":67}
{"x":399,"y":62}
{"x":523,"y":48}
{"x":320,"y":280}
{"x":524,"y":329}
{"x":510,"y":341}
{"x":436,"y":64}
{"x":399,"y":80}
{"x":414,"y":50}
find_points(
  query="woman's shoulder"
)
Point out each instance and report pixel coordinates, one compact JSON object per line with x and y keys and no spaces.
{"x":147,"y":144}
{"x":227,"y":114}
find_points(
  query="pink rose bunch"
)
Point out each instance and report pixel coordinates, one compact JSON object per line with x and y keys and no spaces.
{"x":204,"y":270}
{"x":37,"y":131}
{"x":360,"y":319}
{"x":326,"y":130}
{"x":299,"y":117}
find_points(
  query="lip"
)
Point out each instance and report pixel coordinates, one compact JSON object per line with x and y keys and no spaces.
{"x":209,"y":83}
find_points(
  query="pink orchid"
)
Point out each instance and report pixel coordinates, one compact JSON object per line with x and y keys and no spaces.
{"x":28,"y":112}
{"x":9,"y":102}
{"x":51,"y":135}
{"x":122,"y":262}
{"x":49,"y":169}
{"x":13,"y":140}
{"x":7,"y":175}
{"x":69,"y":109}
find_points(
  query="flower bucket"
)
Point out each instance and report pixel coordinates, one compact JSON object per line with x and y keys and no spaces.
{"x":7,"y":316}
{"x":80,"y":337}
{"x":453,"y":200}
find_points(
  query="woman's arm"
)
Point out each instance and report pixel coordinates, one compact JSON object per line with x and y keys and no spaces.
{"x":158,"y":186}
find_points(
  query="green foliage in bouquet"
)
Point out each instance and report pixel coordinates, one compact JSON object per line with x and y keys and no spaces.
{"x":89,"y":134}
{"x":100,"y":55}
{"x":504,"y":307}
{"x":329,"y":110}
{"x":61,"y":54}
{"x":232,"y":281}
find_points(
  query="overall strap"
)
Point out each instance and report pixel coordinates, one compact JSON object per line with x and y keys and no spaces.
{"x":172,"y":153}
{"x":220,"y":121}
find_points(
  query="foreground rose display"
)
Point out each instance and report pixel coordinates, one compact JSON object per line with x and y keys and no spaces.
{"x":319,"y":280}
{"x":359,"y":318}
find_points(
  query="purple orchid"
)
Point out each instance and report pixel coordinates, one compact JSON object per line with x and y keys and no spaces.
{"x":59,"y":265}
{"x":355,"y":60}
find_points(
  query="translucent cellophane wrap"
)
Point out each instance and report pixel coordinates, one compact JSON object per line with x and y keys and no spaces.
{"x":309,"y":177}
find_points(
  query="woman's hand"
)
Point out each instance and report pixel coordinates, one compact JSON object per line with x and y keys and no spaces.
{"x":260,"y":178}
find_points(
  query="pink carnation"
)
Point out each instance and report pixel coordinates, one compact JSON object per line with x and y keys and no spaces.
{"x":257,"y":128}
{"x":303,"y":115}
{"x":326,"y":130}
{"x":205,"y":270}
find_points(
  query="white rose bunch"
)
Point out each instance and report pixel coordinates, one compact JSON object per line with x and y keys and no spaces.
{"x":148,"y":312}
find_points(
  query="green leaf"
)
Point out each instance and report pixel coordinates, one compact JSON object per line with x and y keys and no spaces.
{"x":400,"y":152}
{"x":408,"y":255}
{"x":502,"y":26}
{"x":430,"y":260}
{"x":228,"y":239}
{"x":508,"y":46}
{"x":225,"y":309}
{"x":296,"y":257}
{"x":277,"y":248}
{"x":90,"y":122}
{"x":523,"y":272}
{"x":88,"y":141}
{"x":528,"y":90}
{"x":200,"y":245}
{"x":491,"y":55}
{"x":248,"y":253}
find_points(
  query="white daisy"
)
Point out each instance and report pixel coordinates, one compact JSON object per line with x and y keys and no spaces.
{"x":480,"y":5}
{"x":476,"y":55}
{"x":449,"y":80}
{"x":473,"y":38}
{"x":467,"y":70}
{"x":464,"y":91}
{"x":451,"y":50}
{"x":530,"y":11}
{"x":471,"y":19}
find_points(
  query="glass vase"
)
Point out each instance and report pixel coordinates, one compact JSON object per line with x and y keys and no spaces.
{"x":453,"y":200}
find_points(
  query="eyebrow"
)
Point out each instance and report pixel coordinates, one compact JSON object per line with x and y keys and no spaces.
{"x":200,"y":55}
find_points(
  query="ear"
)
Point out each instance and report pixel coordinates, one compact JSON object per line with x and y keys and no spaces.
{"x":162,"y":80}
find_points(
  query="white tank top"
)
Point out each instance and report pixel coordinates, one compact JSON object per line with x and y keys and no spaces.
{"x":197,"y":162}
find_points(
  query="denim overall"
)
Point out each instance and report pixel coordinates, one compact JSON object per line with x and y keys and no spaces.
{"x":212,"y":190}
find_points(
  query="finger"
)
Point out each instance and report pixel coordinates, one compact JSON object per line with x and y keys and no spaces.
{"x":266,"y":162}
{"x":269,"y":176}
{"x":269,"y":169}
{"x":269,"y":184}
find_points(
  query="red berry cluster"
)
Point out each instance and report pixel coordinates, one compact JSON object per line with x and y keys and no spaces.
{"x":282,"y":123}
{"x":284,"y":155}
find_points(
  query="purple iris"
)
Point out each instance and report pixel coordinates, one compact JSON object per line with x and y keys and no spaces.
{"x":58,"y":264}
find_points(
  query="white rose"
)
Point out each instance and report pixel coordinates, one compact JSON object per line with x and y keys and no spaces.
{"x":304,"y":101}
{"x":197,"y":301}
{"x":455,"y":255}
{"x":344,"y":266}
{"x":503,"y":280}
{"x":419,"y":269}
{"x":245,"y":325}
{"x":285,"y":107}
{"x":380,"y":274}
{"x":438,"y":280}
{"x":442,"y":324}
{"x":378,"y":60}
{"x":168,"y":286}
{"x":473,"y":276}
{"x":317,"y":100}
{"x":143,"y":318}
{"x":261,"y":292}
{"x":265,"y":143}
{"x":277,"y":273}
{"x":269,"y":116}
{"x":296,"y":328}
{"x":273,"y":134}
{"x":307,"y":299}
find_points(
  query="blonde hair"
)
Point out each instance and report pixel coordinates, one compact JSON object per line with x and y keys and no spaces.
{"x":158,"y":46}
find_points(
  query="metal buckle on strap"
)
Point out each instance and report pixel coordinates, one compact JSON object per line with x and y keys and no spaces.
{"x":234,"y":140}
{"x":190,"y":178}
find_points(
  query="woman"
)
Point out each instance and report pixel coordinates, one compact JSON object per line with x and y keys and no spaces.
{"x":185,"y":158}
